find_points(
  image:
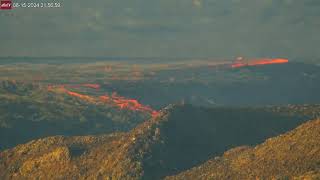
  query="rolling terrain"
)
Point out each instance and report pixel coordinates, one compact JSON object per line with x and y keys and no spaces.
{"x":160,"y":90}
{"x":199,"y":82}
{"x":182,"y":119}
{"x":179,"y":138}
{"x":30,"y":111}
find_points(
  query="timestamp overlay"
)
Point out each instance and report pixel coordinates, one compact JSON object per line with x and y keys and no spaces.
{"x":36,"y":4}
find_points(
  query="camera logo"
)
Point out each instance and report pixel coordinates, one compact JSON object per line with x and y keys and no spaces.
{"x":6,"y":4}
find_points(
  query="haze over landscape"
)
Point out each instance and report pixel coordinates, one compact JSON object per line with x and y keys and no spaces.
{"x":160,"y":89}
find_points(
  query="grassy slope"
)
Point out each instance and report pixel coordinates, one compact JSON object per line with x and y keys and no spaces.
{"x":295,"y":154}
{"x":179,"y":138}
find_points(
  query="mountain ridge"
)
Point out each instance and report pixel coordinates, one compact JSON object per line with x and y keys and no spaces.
{"x":293,"y":155}
{"x":174,"y":141}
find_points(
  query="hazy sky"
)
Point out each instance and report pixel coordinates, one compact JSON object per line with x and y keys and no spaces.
{"x":164,"y":28}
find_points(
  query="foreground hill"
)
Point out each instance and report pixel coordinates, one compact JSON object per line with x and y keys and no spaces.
{"x":179,"y":138}
{"x":295,"y":154}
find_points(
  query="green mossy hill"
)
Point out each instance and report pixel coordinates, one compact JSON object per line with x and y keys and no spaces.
{"x":294,"y":155}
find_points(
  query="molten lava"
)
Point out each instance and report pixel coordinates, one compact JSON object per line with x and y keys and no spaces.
{"x":81,"y":96}
{"x":258,"y":62}
{"x":93,"y":86}
{"x":114,"y":100}
{"x":62,"y":89}
{"x":124,"y":103}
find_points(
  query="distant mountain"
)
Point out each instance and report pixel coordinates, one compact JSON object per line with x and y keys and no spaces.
{"x":179,"y":138}
{"x":221,"y":85}
{"x":294,"y":155}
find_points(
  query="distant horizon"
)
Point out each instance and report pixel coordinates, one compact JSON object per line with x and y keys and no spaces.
{"x":153,"y":57}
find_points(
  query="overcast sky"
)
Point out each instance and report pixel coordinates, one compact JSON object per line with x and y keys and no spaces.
{"x":164,"y":28}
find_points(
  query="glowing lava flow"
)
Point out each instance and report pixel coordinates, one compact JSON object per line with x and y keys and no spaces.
{"x":130,"y":104}
{"x":81,"y":96}
{"x":93,"y":86}
{"x":114,"y":100}
{"x":259,"y":62}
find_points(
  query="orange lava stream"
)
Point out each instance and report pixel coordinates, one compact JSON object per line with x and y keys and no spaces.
{"x":259,"y":62}
{"x":93,"y":86}
{"x":124,"y":103}
{"x":114,"y":100}
{"x":81,"y":96}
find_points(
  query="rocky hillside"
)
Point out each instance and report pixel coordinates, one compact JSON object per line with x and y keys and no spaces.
{"x":294,"y":155}
{"x":179,"y":138}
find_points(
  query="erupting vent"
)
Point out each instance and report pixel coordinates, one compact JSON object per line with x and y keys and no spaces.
{"x":258,"y":62}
